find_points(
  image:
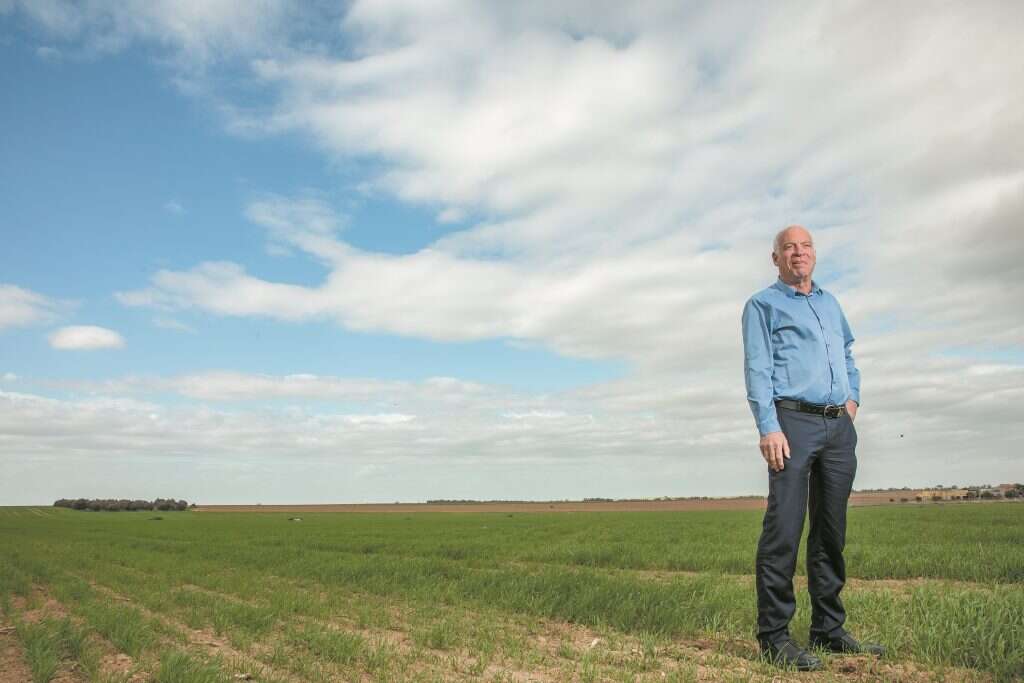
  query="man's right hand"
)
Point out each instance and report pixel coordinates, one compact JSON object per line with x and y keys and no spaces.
{"x":775,"y":450}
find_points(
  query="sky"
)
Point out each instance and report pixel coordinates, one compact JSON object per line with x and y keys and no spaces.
{"x":276,"y":252}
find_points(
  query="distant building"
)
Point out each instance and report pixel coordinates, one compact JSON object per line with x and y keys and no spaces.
{"x":986,"y":492}
{"x":942,"y":494}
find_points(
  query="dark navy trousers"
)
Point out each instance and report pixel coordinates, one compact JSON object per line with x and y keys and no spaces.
{"x":817,"y":480}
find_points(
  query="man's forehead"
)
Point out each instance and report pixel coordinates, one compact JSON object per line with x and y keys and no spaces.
{"x":795,"y":234}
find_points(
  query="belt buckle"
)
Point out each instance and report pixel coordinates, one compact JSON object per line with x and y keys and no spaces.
{"x":832,"y":411}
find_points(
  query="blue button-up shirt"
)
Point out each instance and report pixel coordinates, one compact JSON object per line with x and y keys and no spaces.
{"x":796,"y":346}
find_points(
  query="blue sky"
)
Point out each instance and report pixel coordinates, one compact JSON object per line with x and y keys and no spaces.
{"x":109,"y":174}
{"x":318,"y":253}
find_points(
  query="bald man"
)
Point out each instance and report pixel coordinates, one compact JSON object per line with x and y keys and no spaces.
{"x":804,"y":390}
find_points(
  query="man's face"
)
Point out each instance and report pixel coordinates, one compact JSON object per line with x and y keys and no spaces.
{"x":795,"y":256}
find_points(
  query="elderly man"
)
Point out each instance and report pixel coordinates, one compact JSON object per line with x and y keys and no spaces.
{"x":804,"y":390}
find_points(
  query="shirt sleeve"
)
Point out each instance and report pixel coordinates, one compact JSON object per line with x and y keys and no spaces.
{"x":757,"y":367}
{"x":852,"y":373}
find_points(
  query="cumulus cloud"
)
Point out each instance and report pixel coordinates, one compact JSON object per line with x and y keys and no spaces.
{"x":85,"y":338}
{"x":21,"y":307}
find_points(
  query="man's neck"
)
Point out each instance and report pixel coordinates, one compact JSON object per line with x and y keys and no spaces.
{"x":802,"y":285}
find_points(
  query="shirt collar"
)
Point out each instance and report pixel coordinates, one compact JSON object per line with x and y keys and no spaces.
{"x":791,"y":291}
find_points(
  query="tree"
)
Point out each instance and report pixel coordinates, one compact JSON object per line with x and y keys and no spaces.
{"x":117,"y":505}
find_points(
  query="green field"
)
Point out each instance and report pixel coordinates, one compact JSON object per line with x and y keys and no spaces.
{"x":664,"y":596}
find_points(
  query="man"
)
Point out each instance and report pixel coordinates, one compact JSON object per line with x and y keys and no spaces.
{"x":804,"y":390}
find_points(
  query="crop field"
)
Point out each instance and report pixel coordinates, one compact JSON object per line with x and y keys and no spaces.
{"x":197,"y":597}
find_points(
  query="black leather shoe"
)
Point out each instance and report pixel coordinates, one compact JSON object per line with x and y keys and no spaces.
{"x":843,"y":643}
{"x":786,"y":653}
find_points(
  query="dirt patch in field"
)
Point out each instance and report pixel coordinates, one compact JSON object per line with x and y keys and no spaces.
{"x":13,"y":666}
{"x":119,"y":665}
{"x":43,"y":606}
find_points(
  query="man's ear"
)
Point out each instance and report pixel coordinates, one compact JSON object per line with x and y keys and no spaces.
{"x":775,"y":259}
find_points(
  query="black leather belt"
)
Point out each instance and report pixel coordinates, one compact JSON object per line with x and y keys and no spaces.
{"x":829,"y":411}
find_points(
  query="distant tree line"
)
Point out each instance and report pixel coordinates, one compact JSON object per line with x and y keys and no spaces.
{"x":112,"y":505}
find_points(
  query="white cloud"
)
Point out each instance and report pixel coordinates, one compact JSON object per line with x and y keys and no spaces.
{"x":451,"y":215}
{"x":173,"y":324}
{"x":174,"y":206}
{"x":49,"y":54}
{"x":306,"y":222}
{"x":85,"y":338}
{"x":537,"y":414}
{"x":284,"y":217}
{"x":607,"y":305}
{"x":21,"y":307}
{"x":10,"y":377}
{"x":198,"y":32}
{"x":223,"y":288}
{"x":222,"y":385}
{"x":379,"y":419}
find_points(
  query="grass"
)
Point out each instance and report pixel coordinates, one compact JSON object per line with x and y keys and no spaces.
{"x":42,"y":650}
{"x":179,"y":667}
{"x":337,"y":647}
{"x":51,"y":641}
{"x":125,"y":627}
{"x":316,"y":599}
{"x":440,"y":635}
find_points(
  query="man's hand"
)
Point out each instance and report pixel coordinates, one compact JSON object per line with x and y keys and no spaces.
{"x":851,"y":408}
{"x":775,"y":449}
